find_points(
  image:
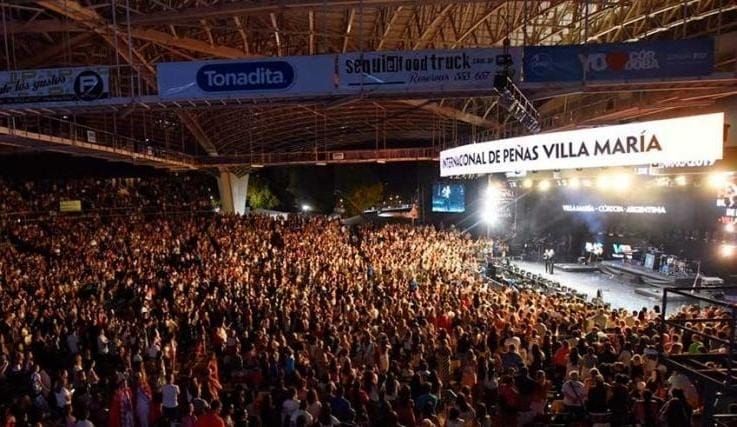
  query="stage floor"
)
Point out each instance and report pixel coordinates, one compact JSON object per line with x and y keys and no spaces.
{"x":615,"y":292}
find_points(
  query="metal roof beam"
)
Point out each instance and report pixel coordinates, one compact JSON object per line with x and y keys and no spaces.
{"x":432,"y":28}
{"x":452,"y":113}
{"x":246,"y":7}
{"x":92,"y":19}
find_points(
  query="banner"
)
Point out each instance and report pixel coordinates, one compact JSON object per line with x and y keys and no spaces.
{"x":433,"y":70}
{"x":619,"y":61}
{"x":70,"y":206}
{"x":659,"y":141}
{"x":54,"y":84}
{"x":280,"y":77}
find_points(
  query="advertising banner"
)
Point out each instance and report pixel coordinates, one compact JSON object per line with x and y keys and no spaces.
{"x":659,"y":59}
{"x":70,"y":206}
{"x":54,"y":84}
{"x":279,"y":77}
{"x":658,"y":141}
{"x":435,"y":70}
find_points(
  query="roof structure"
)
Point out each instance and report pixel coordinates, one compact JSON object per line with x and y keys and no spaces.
{"x":134,"y":35}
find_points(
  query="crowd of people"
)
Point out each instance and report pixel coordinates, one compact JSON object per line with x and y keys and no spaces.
{"x":152,"y":194}
{"x":212,"y":320}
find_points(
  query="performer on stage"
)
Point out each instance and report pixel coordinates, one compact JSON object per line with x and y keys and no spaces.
{"x":546,"y":258}
{"x":551,"y":257}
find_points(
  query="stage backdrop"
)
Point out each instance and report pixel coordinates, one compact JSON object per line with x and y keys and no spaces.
{"x":685,"y":220}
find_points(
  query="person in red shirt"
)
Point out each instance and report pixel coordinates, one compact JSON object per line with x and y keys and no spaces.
{"x":212,"y":418}
{"x":560,"y":359}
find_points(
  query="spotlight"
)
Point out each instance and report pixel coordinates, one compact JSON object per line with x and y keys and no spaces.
{"x":727,"y":250}
{"x":527,"y":183}
{"x":544,"y":185}
{"x":574,"y":183}
{"x":306,"y":208}
{"x":681,"y":180}
{"x":729,"y":228}
{"x":489,"y":215}
{"x":492,"y":192}
{"x":718,"y":179}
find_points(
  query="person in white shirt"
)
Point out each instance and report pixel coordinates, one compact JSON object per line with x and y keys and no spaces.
{"x":62,"y":394}
{"x":290,"y":406}
{"x":83,"y":420}
{"x":574,"y":393}
{"x":170,"y":398}
{"x":301,"y":412}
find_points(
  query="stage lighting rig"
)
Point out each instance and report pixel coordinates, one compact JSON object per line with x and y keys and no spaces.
{"x":511,"y":97}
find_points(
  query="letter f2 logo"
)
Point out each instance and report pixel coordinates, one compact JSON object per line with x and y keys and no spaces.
{"x":88,"y":86}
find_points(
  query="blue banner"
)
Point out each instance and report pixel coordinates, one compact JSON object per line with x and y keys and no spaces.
{"x":277,"y":78}
{"x":619,"y":61}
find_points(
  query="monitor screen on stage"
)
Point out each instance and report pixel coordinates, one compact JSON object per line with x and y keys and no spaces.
{"x":448,"y":198}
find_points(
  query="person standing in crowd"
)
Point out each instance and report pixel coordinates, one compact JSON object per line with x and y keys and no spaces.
{"x":676,"y":412}
{"x":574,"y":395}
{"x":170,"y":399}
{"x":212,"y":417}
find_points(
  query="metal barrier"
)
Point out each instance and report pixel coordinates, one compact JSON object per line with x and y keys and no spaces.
{"x":714,"y":371}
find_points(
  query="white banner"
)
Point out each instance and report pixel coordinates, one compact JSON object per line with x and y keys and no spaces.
{"x":434,"y":70}
{"x":274,"y":78}
{"x":658,"y":141}
{"x":54,"y":84}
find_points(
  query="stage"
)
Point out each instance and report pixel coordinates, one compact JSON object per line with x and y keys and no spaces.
{"x":616,"y":290}
{"x":640,"y":274}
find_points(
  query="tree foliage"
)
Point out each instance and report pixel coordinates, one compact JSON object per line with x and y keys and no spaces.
{"x":362,"y":197}
{"x":260,"y":195}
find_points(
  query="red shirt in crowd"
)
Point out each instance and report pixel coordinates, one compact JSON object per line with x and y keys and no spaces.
{"x":210,"y":420}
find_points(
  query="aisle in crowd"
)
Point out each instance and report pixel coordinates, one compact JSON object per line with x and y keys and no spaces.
{"x":209,"y":320}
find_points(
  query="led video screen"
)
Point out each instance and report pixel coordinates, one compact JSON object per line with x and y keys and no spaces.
{"x":449,"y":198}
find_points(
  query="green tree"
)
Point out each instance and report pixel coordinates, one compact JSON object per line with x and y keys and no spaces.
{"x":362,"y":197}
{"x":260,"y":195}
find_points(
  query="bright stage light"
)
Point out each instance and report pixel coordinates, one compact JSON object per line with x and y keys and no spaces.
{"x":727,"y":250}
{"x":681,"y":180}
{"x":543,"y":185}
{"x":574,"y":183}
{"x":622,"y":182}
{"x":493,"y":192}
{"x":729,"y":228}
{"x":490,"y":206}
{"x":603,"y":182}
{"x":489,"y":215}
{"x":718,"y":180}
{"x":306,"y":208}
{"x":527,"y":183}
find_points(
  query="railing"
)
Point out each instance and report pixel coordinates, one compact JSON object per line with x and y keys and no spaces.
{"x":52,"y":130}
{"x":320,"y":157}
{"x":714,"y":372}
{"x":718,"y":368}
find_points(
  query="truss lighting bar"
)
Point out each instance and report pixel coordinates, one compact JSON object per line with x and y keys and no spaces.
{"x":516,"y":103}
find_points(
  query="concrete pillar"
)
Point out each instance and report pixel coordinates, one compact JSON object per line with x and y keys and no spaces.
{"x":233,"y":191}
